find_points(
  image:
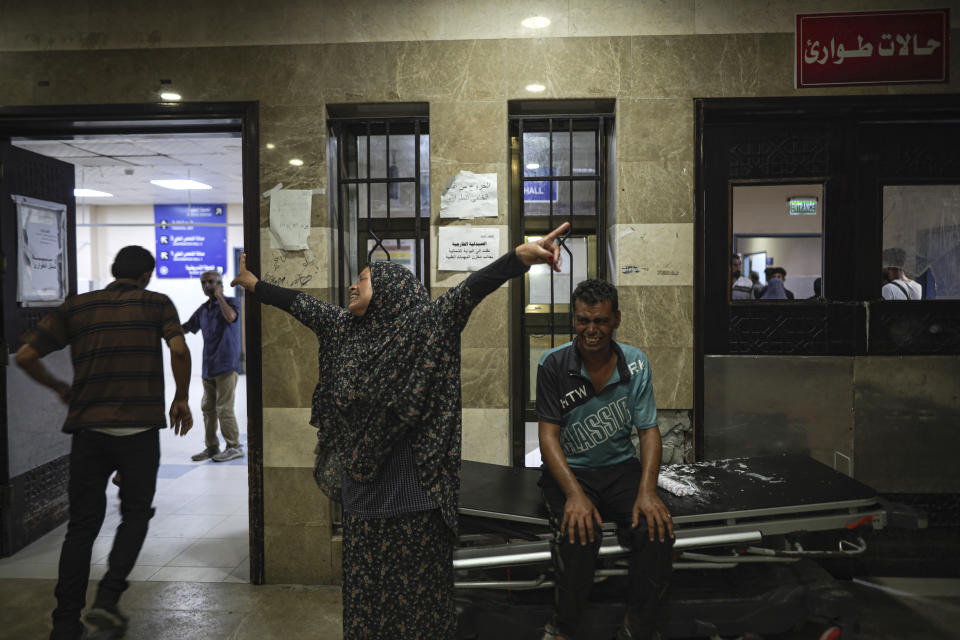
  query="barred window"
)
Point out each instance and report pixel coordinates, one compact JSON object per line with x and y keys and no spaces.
{"x":560,"y":161}
{"x":380,"y":208}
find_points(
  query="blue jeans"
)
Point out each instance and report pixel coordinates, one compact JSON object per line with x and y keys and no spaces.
{"x":93,"y":459}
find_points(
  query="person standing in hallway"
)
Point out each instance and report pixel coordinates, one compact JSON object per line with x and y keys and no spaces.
{"x":114,"y":416}
{"x":217,"y":319}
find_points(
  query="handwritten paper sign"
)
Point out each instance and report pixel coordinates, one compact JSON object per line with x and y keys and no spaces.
{"x":466,"y":248}
{"x":470,"y":195}
{"x":290,"y":219}
{"x":872,"y":47}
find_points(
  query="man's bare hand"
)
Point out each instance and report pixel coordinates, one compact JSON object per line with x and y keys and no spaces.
{"x":579,"y":514}
{"x":658,"y":518}
{"x":181,"y":420}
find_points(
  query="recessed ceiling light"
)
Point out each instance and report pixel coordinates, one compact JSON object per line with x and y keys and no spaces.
{"x":535,"y":88}
{"x":535,"y":22}
{"x":270,"y":145}
{"x":181,"y":185}
{"x":532,"y":165}
{"x":297,"y":162}
{"x":91,"y":193}
{"x":170,"y":96}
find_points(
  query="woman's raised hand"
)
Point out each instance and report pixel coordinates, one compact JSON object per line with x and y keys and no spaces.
{"x":543,"y":251}
{"x":244,"y":278}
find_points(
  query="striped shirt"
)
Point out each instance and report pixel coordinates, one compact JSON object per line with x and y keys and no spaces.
{"x":114,"y":336}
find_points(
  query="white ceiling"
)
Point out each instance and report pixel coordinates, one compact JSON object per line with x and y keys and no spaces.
{"x":125,"y":165}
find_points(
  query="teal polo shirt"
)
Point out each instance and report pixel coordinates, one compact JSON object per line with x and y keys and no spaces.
{"x":595,"y":428}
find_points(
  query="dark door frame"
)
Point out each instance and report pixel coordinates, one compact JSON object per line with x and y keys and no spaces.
{"x":172,"y":118}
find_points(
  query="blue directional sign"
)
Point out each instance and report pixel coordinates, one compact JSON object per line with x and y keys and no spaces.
{"x":191,"y":239}
{"x":539,"y":191}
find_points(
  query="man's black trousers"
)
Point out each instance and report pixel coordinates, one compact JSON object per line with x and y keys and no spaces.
{"x":93,"y":459}
{"x":613,"y":491}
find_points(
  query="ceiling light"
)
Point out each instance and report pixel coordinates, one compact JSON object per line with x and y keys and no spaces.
{"x":270,"y":145}
{"x":533,"y":165}
{"x":91,"y":193}
{"x":297,"y":162}
{"x":535,"y":88}
{"x":180,"y":185}
{"x":535,"y":22}
{"x":170,"y":96}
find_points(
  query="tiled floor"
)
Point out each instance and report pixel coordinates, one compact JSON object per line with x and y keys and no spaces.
{"x":200,"y":530}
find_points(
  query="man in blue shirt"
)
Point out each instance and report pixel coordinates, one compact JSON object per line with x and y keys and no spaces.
{"x":217,"y":318}
{"x":591,"y":394}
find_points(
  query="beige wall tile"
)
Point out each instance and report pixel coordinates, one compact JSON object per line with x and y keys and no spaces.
{"x":474,"y":132}
{"x":489,"y":324}
{"x":654,"y":254}
{"x":294,"y":269}
{"x":655,"y":130}
{"x":359,"y":72}
{"x":292,"y":497}
{"x":693,"y":66}
{"x":656,"y":316}
{"x":298,"y":554}
{"x":462,"y":70}
{"x":654,"y":191}
{"x":672,"y":376}
{"x":289,"y":360}
{"x":288,"y":438}
{"x":486,"y":435}
{"x":568,"y":67}
{"x":485,"y":377}
{"x":630,"y":17}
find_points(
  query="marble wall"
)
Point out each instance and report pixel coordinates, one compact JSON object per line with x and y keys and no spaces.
{"x":467,"y":83}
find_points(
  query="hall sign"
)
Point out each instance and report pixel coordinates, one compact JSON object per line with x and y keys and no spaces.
{"x":872,"y":47}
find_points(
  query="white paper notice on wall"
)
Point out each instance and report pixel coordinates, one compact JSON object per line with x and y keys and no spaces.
{"x":290,"y":219}
{"x":470,"y":195}
{"x":466,"y":248}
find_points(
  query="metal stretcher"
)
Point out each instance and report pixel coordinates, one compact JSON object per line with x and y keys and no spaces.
{"x":753,"y":518}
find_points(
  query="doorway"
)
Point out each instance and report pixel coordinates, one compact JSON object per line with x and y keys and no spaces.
{"x":123,"y":146}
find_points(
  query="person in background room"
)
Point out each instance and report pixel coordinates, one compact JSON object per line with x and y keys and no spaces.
{"x":387,"y":414}
{"x":218,"y":318}
{"x":742,"y":287}
{"x":114,"y":417}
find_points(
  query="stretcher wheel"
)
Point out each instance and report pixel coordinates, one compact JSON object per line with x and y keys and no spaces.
{"x":833,"y":633}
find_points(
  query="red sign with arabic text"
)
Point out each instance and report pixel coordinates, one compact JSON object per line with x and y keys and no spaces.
{"x":872,"y":47}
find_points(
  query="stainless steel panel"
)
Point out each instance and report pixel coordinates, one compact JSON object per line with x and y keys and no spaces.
{"x":908,"y":423}
{"x":759,"y":405}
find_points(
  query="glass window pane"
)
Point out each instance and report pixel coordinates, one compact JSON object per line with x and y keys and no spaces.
{"x":584,"y":198}
{"x":538,"y":196}
{"x":921,"y":242}
{"x":378,"y":156}
{"x":401,"y":156}
{"x":539,"y":295}
{"x":777,"y":242}
{"x":536,"y":154}
{"x":584,"y":153}
{"x":399,"y":250}
{"x":361,"y":158}
{"x":531,"y":445}
{"x":425,"y":176}
{"x":537,"y":345}
{"x":561,"y":152}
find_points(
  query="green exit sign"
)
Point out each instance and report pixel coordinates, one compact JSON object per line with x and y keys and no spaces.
{"x":802,"y":206}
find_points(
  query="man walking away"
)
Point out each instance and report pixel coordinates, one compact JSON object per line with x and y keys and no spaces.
{"x":114,"y":416}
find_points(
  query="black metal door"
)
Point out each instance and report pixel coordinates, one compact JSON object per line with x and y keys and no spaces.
{"x":34,"y":456}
